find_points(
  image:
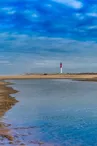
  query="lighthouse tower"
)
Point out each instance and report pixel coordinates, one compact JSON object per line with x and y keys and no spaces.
{"x":61,"y":67}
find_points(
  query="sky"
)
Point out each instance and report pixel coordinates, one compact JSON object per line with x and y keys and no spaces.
{"x":36,"y":35}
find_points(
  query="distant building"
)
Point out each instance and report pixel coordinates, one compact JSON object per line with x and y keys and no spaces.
{"x":61,"y":67}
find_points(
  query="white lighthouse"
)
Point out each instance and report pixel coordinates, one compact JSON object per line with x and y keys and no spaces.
{"x":61,"y":67}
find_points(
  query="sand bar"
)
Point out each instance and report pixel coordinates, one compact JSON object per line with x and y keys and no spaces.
{"x":81,"y":77}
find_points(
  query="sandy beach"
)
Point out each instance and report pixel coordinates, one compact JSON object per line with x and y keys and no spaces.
{"x":79,"y":76}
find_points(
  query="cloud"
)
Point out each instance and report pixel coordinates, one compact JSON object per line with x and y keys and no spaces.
{"x":33,"y":32}
{"x":8,"y":10}
{"x":23,"y":53}
{"x":44,"y":45}
{"x":92,"y":14}
{"x":49,"y":18}
{"x":72,"y":3}
{"x":31,"y":63}
{"x":4,"y":62}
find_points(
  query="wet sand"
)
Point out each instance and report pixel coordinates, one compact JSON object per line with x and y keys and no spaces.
{"x":6,"y":103}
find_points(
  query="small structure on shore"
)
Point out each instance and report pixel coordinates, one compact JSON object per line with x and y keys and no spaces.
{"x":61,"y":67}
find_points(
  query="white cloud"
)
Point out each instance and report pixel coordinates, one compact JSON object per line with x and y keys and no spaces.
{"x":8,"y":10}
{"x":72,"y":3}
{"x":4,"y":62}
{"x":80,"y":16}
{"x":92,"y":27}
{"x":34,"y":15}
{"x":31,"y":14}
{"x":92,"y":14}
{"x":49,"y":5}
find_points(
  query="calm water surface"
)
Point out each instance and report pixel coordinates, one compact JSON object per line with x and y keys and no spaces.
{"x":62,"y":112}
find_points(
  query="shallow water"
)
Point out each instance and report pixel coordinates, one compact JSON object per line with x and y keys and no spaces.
{"x":55,"y":112}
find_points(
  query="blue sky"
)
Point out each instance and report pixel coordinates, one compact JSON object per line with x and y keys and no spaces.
{"x":36,"y":35}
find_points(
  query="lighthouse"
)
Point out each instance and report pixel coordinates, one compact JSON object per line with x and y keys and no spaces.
{"x":61,"y":67}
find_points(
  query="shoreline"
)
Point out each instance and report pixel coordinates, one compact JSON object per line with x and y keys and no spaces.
{"x":6,"y":103}
{"x":77,"y":77}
